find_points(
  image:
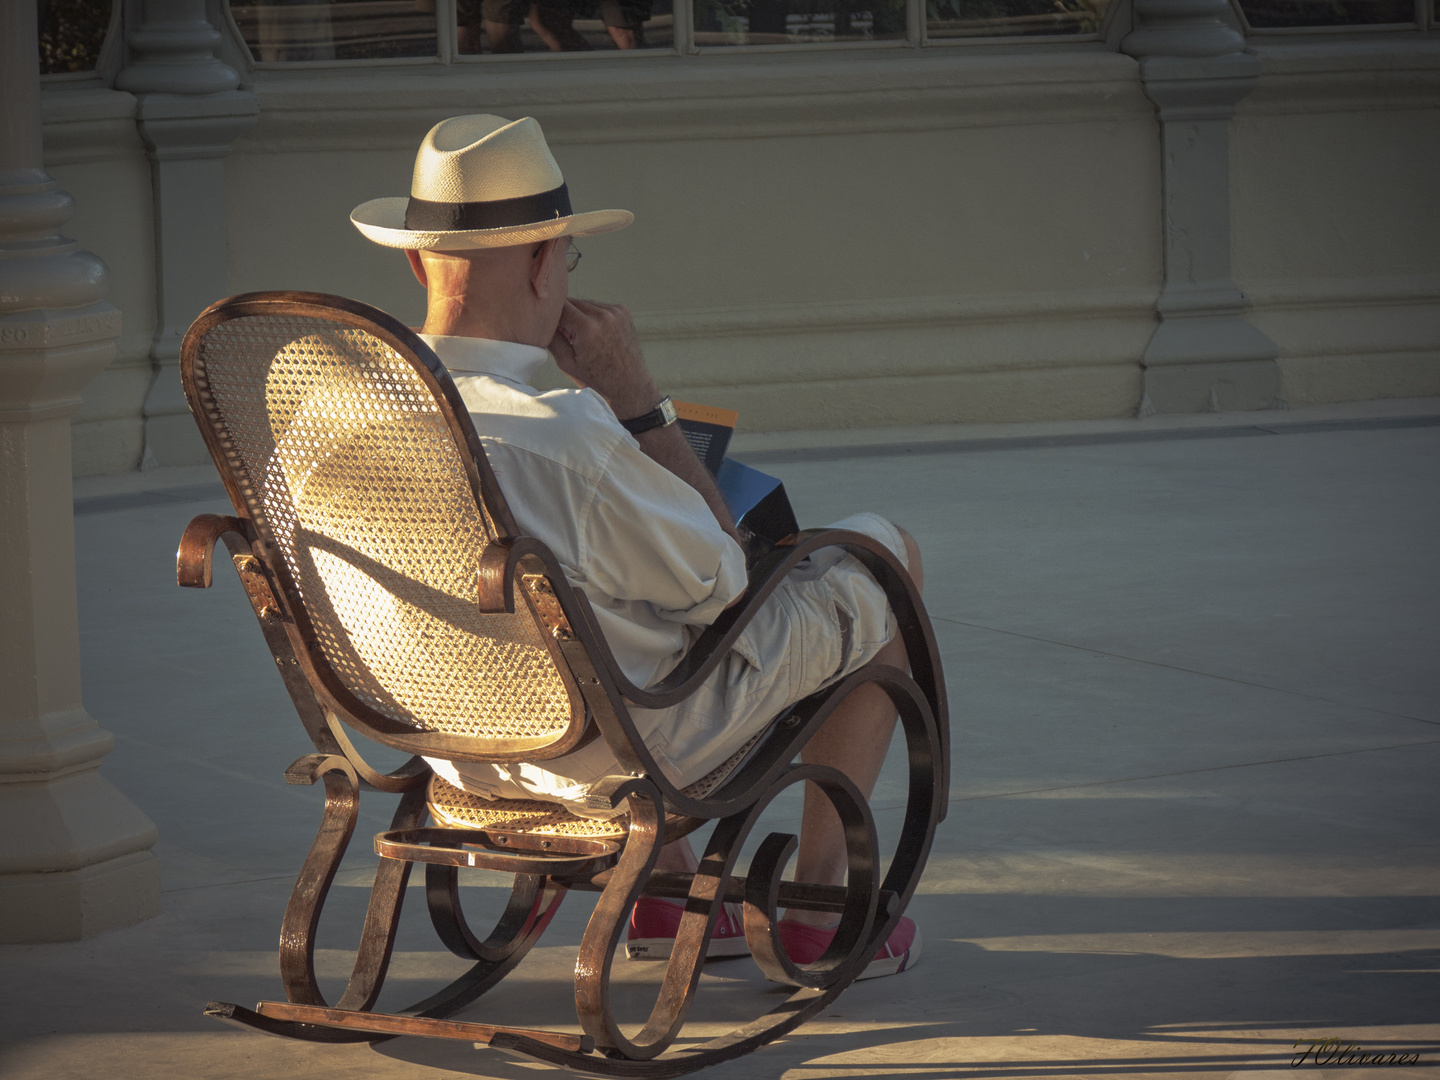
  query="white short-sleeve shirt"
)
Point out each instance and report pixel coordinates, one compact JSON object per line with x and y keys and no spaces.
{"x":637,"y":540}
{"x":656,"y":566}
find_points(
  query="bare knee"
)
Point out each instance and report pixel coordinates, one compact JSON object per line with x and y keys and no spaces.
{"x":912,"y":559}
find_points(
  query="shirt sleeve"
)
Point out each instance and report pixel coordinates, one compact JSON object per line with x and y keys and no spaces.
{"x":649,"y":536}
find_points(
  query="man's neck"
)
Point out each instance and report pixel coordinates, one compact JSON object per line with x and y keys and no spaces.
{"x":466,"y":323}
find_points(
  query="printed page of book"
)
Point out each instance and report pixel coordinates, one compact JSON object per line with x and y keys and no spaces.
{"x":707,"y":429}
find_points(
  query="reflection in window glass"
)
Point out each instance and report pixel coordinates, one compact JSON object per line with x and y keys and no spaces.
{"x":1268,"y":14}
{"x":338,"y":30}
{"x":513,"y":26}
{"x":71,"y":34}
{"x":1012,"y":18}
{"x":797,"y":22}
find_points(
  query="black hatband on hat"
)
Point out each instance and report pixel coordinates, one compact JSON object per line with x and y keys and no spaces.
{"x":424,"y":216}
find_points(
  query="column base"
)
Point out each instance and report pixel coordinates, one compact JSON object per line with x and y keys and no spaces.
{"x":75,"y":857}
{"x":1233,"y":386}
{"x":1204,"y":356}
{"x":67,"y":905}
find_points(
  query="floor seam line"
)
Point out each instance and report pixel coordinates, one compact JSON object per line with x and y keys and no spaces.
{"x":255,"y":881}
{"x":1192,"y":772}
{"x":1188,"y":671}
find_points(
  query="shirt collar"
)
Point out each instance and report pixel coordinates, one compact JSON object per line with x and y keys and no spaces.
{"x":481,"y":356}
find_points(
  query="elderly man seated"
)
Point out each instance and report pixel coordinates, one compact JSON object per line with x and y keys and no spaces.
{"x":605,"y":478}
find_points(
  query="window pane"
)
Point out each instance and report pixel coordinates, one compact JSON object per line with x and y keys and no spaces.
{"x":1265,"y":14}
{"x":512,"y":26}
{"x":1012,"y":18}
{"x":797,"y":22}
{"x":71,"y":34}
{"x":337,"y":30}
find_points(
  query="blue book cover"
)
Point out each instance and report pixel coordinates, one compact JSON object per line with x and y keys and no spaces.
{"x":757,"y":501}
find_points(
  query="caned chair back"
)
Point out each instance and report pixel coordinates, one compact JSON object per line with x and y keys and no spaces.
{"x":347,"y":444}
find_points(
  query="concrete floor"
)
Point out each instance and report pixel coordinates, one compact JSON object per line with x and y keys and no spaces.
{"x":1195,"y":673}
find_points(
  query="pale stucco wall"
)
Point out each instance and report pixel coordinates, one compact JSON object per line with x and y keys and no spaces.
{"x":858,"y":240}
{"x":1336,"y":217}
{"x":848,"y":238}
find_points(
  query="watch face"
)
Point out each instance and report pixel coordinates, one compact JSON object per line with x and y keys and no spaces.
{"x":667,"y":412}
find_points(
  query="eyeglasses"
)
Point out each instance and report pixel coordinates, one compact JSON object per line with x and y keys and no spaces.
{"x":572,"y":254}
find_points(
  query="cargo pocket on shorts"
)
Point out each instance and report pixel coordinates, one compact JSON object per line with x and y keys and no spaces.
{"x":847,"y":638}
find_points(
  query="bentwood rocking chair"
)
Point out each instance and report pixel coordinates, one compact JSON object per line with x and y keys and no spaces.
{"x":399,"y":600}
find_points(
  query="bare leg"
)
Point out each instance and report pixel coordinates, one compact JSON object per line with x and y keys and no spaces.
{"x":471,"y":40}
{"x":677,"y":855}
{"x":555,"y":26}
{"x":853,"y":740}
{"x":625,"y":37}
{"x":503,"y":37}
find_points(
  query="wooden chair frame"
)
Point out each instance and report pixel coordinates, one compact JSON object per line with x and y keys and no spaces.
{"x":545,"y":867}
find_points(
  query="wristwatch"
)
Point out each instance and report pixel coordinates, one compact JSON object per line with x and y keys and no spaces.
{"x":663,"y":415}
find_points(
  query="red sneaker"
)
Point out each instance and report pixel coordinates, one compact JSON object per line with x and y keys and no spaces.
{"x":804,"y":944}
{"x":654,"y":921}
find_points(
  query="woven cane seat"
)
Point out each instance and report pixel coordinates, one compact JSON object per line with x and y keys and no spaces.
{"x":349,"y":469}
{"x":449,"y":805}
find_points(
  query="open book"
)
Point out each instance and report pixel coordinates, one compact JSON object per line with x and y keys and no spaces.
{"x":757,"y":501}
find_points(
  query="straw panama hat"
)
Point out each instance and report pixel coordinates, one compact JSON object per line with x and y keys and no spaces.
{"x":482,"y":181}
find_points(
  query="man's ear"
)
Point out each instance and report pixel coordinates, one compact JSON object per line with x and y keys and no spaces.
{"x":418,"y":268}
{"x":541,"y":265}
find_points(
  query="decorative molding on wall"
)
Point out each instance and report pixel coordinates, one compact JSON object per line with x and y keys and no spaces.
{"x":897,"y":313}
{"x":950,"y":358}
{"x":1327,"y":293}
{"x":88,"y":123}
{"x":789,"y":366}
{"x":1367,"y":376}
{"x":1354,"y":324}
{"x":1372,"y":76}
{"x":1092,"y":391}
{"x":378,"y":109}
{"x":337,"y":109}
{"x":1353,"y":339}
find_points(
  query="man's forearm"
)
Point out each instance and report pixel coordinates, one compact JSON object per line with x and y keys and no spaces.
{"x":668,"y":447}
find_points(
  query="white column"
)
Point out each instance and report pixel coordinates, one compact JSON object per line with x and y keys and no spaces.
{"x":75,"y":854}
{"x":190,"y":111}
{"x":1204,"y":355}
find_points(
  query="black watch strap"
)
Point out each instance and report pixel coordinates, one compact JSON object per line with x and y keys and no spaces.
{"x":661,"y":416}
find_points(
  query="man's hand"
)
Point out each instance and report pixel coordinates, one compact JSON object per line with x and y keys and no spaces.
{"x":595,"y":345}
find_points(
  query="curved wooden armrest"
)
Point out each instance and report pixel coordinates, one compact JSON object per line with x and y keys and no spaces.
{"x":571,"y":621}
{"x":495,"y":579}
{"x":503,"y":559}
{"x":414,"y":773}
{"x":194,"y":557}
{"x":717,"y":639}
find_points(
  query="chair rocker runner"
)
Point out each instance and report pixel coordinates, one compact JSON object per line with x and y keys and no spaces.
{"x":399,"y":600}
